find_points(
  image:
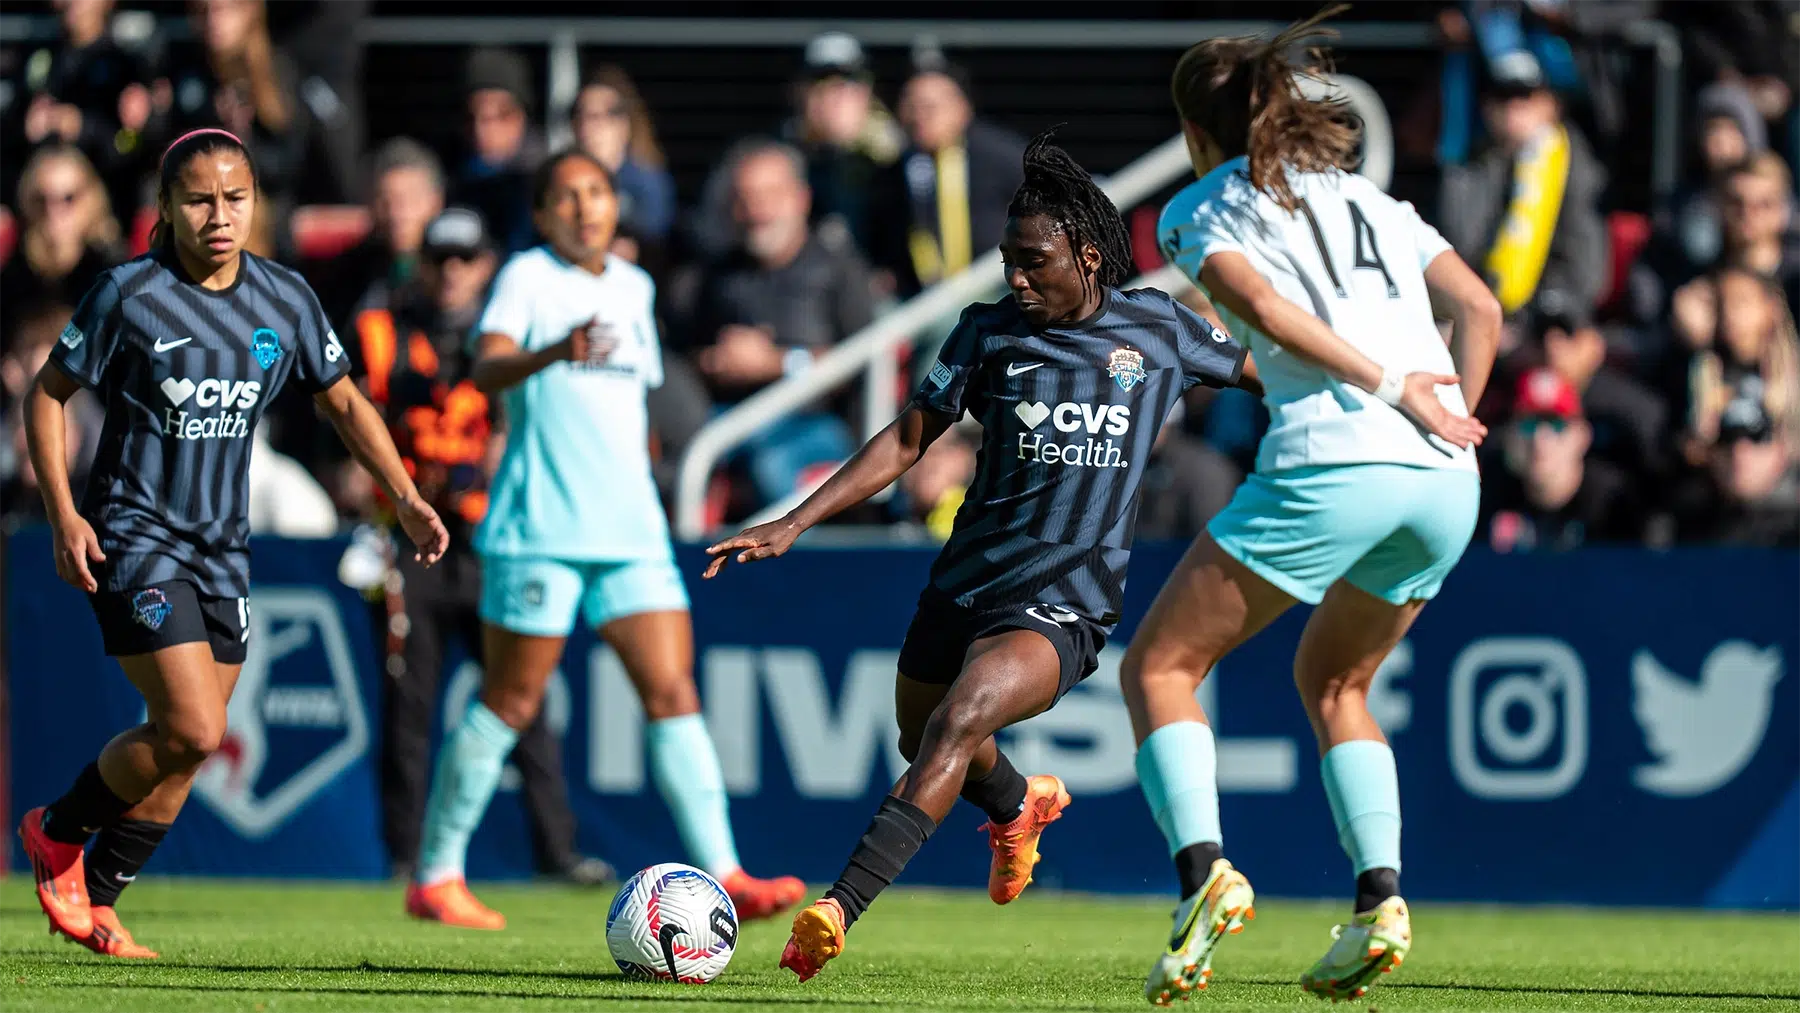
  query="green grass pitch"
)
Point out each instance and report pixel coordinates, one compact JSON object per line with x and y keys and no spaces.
{"x":271,"y":948}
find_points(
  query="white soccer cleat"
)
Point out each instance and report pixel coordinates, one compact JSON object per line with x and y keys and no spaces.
{"x":1219,"y":908}
{"x":1374,"y":943}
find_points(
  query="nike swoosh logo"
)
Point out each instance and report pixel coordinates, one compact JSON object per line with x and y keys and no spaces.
{"x":121,"y":877}
{"x":1014,"y":369}
{"x":163,"y":346}
{"x":1056,"y":617}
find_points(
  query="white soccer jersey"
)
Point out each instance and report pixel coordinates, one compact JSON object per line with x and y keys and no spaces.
{"x":1356,"y":258}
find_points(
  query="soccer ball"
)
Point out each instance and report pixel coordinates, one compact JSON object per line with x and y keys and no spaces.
{"x":672,"y":922}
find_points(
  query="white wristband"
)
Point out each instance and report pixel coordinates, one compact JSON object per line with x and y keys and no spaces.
{"x":1391,"y":387}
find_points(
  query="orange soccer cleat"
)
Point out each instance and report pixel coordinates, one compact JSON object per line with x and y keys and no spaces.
{"x":110,"y":939}
{"x":451,"y":903}
{"x":818,"y":936}
{"x":762,"y":898}
{"x":1015,"y":844}
{"x":61,"y":878}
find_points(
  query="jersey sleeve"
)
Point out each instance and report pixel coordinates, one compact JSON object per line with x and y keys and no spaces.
{"x":508,"y":310}
{"x":87,"y":343}
{"x":1208,"y":355}
{"x":322,"y":361}
{"x":955,"y":378}
{"x":1426,"y":240}
{"x":1188,"y":239}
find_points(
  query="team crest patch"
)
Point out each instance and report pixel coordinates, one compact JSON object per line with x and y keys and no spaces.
{"x":265,"y":344}
{"x":151,"y":607}
{"x":533,"y":593}
{"x":72,"y":336}
{"x":940,"y":376}
{"x":1126,"y":368}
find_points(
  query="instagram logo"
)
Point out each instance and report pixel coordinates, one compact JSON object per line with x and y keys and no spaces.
{"x":1518,"y":718}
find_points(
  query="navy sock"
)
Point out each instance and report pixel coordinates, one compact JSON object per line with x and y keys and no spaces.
{"x":896,"y":833}
{"x":86,"y":808}
{"x":117,"y":855}
{"x":1000,"y":792}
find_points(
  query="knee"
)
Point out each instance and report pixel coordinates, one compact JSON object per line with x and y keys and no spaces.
{"x":1144,"y":673}
{"x":188,"y":740}
{"x":670,"y":699}
{"x":957,"y":726}
{"x":515,"y":705}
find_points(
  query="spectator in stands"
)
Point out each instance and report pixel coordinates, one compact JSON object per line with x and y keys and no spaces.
{"x":1690,"y":237}
{"x":1750,"y":492}
{"x":845,"y":135}
{"x":413,"y":356}
{"x":67,"y":236}
{"x":1551,"y":495}
{"x":504,"y":149}
{"x":241,"y":82}
{"x":321,"y":37}
{"x":611,"y":123}
{"x":932,"y":490}
{"x":38,"y":330}
{"x":84,"y":90}
{"x":1526,"y":209}
{"x":406,"y":185}
{"x":1743,"y":348}
{"x":947,"y":195}
{"x":1629,"y":422}
{"x":1758,"y":206}
{"x":786,"y":294}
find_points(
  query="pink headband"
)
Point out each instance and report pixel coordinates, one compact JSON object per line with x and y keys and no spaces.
{"x":197,"y":133}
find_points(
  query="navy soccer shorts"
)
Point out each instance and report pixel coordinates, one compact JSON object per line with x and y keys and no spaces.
{"x":147,"y":619}
{"x":938,"y":639}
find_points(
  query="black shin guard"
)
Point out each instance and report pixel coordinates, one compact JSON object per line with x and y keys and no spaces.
{"x":117,"y":855}
{"x":894,"y":836}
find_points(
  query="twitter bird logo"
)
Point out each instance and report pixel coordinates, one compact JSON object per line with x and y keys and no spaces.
{"x":1703,"y":734}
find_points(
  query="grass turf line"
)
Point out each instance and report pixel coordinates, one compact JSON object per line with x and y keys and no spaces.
{"x":274,"y":948}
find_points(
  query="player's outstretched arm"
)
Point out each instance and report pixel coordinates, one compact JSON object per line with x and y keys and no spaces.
{"x":1475,"y":318}
{"x":1232,"y":281}
{"x":876,"y":466}
{"x":366,"y":435}
{"x":76,"y":545}
{"x":500,"y":362}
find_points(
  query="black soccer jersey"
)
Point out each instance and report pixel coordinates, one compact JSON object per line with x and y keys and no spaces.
{"x":184,"y":374}
{"x":1069,"y":415}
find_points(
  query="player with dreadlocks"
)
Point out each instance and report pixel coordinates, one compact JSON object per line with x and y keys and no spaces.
{"x":1071,"y":378}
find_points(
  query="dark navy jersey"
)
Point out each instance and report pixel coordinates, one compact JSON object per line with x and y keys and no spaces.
{"x":1069,"y":415}
{"x":184,"y":374}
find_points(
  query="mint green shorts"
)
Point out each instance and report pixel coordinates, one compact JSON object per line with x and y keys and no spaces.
{"x":1392,"y":530}
{"x":540,"y":596}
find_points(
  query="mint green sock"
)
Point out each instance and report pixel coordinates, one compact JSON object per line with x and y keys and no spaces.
{"x":1177,"y":767}
{"x":686,"y":769}
{"x":1364,"y":790}
{"x":468,"y":771}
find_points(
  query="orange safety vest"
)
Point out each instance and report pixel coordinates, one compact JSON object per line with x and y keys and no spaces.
{"x":452,"y":431}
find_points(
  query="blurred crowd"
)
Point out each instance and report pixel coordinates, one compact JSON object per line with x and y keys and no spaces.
{"x":1649,"y":384}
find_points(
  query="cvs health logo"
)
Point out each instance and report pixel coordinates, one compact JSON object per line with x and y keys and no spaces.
{"x":296,"y":720}
{"x":1703,"y":733}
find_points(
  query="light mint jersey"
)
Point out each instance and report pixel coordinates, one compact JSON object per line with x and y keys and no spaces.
{"x":575,"y":480}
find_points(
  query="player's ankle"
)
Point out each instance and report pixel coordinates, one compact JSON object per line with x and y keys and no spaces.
{"x":1375,"y":886}
{"x":1193,"y":864}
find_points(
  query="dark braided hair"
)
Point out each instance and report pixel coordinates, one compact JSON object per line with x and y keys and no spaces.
{"x":1060,"y":189}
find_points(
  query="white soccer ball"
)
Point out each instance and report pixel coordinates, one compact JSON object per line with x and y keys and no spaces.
{"x":672,"y":922}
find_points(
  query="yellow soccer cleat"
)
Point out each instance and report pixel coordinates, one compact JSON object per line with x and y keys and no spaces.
{"x":1374,"y":943}
{"x":1219,"y":908}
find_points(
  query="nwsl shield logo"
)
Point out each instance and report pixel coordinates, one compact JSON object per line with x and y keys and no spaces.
{"x":1126,"y":368}
{"x":265,"y":344}
{"x":151,"y":608}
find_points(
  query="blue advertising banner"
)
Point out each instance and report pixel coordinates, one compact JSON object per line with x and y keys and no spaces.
{"x":1622,"y":723}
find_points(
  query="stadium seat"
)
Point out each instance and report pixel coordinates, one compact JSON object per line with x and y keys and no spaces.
{"x":1627,"y":232}
{"x":322,"y":231}
{"x":141,"y":224}
{"x":9,"y":233}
